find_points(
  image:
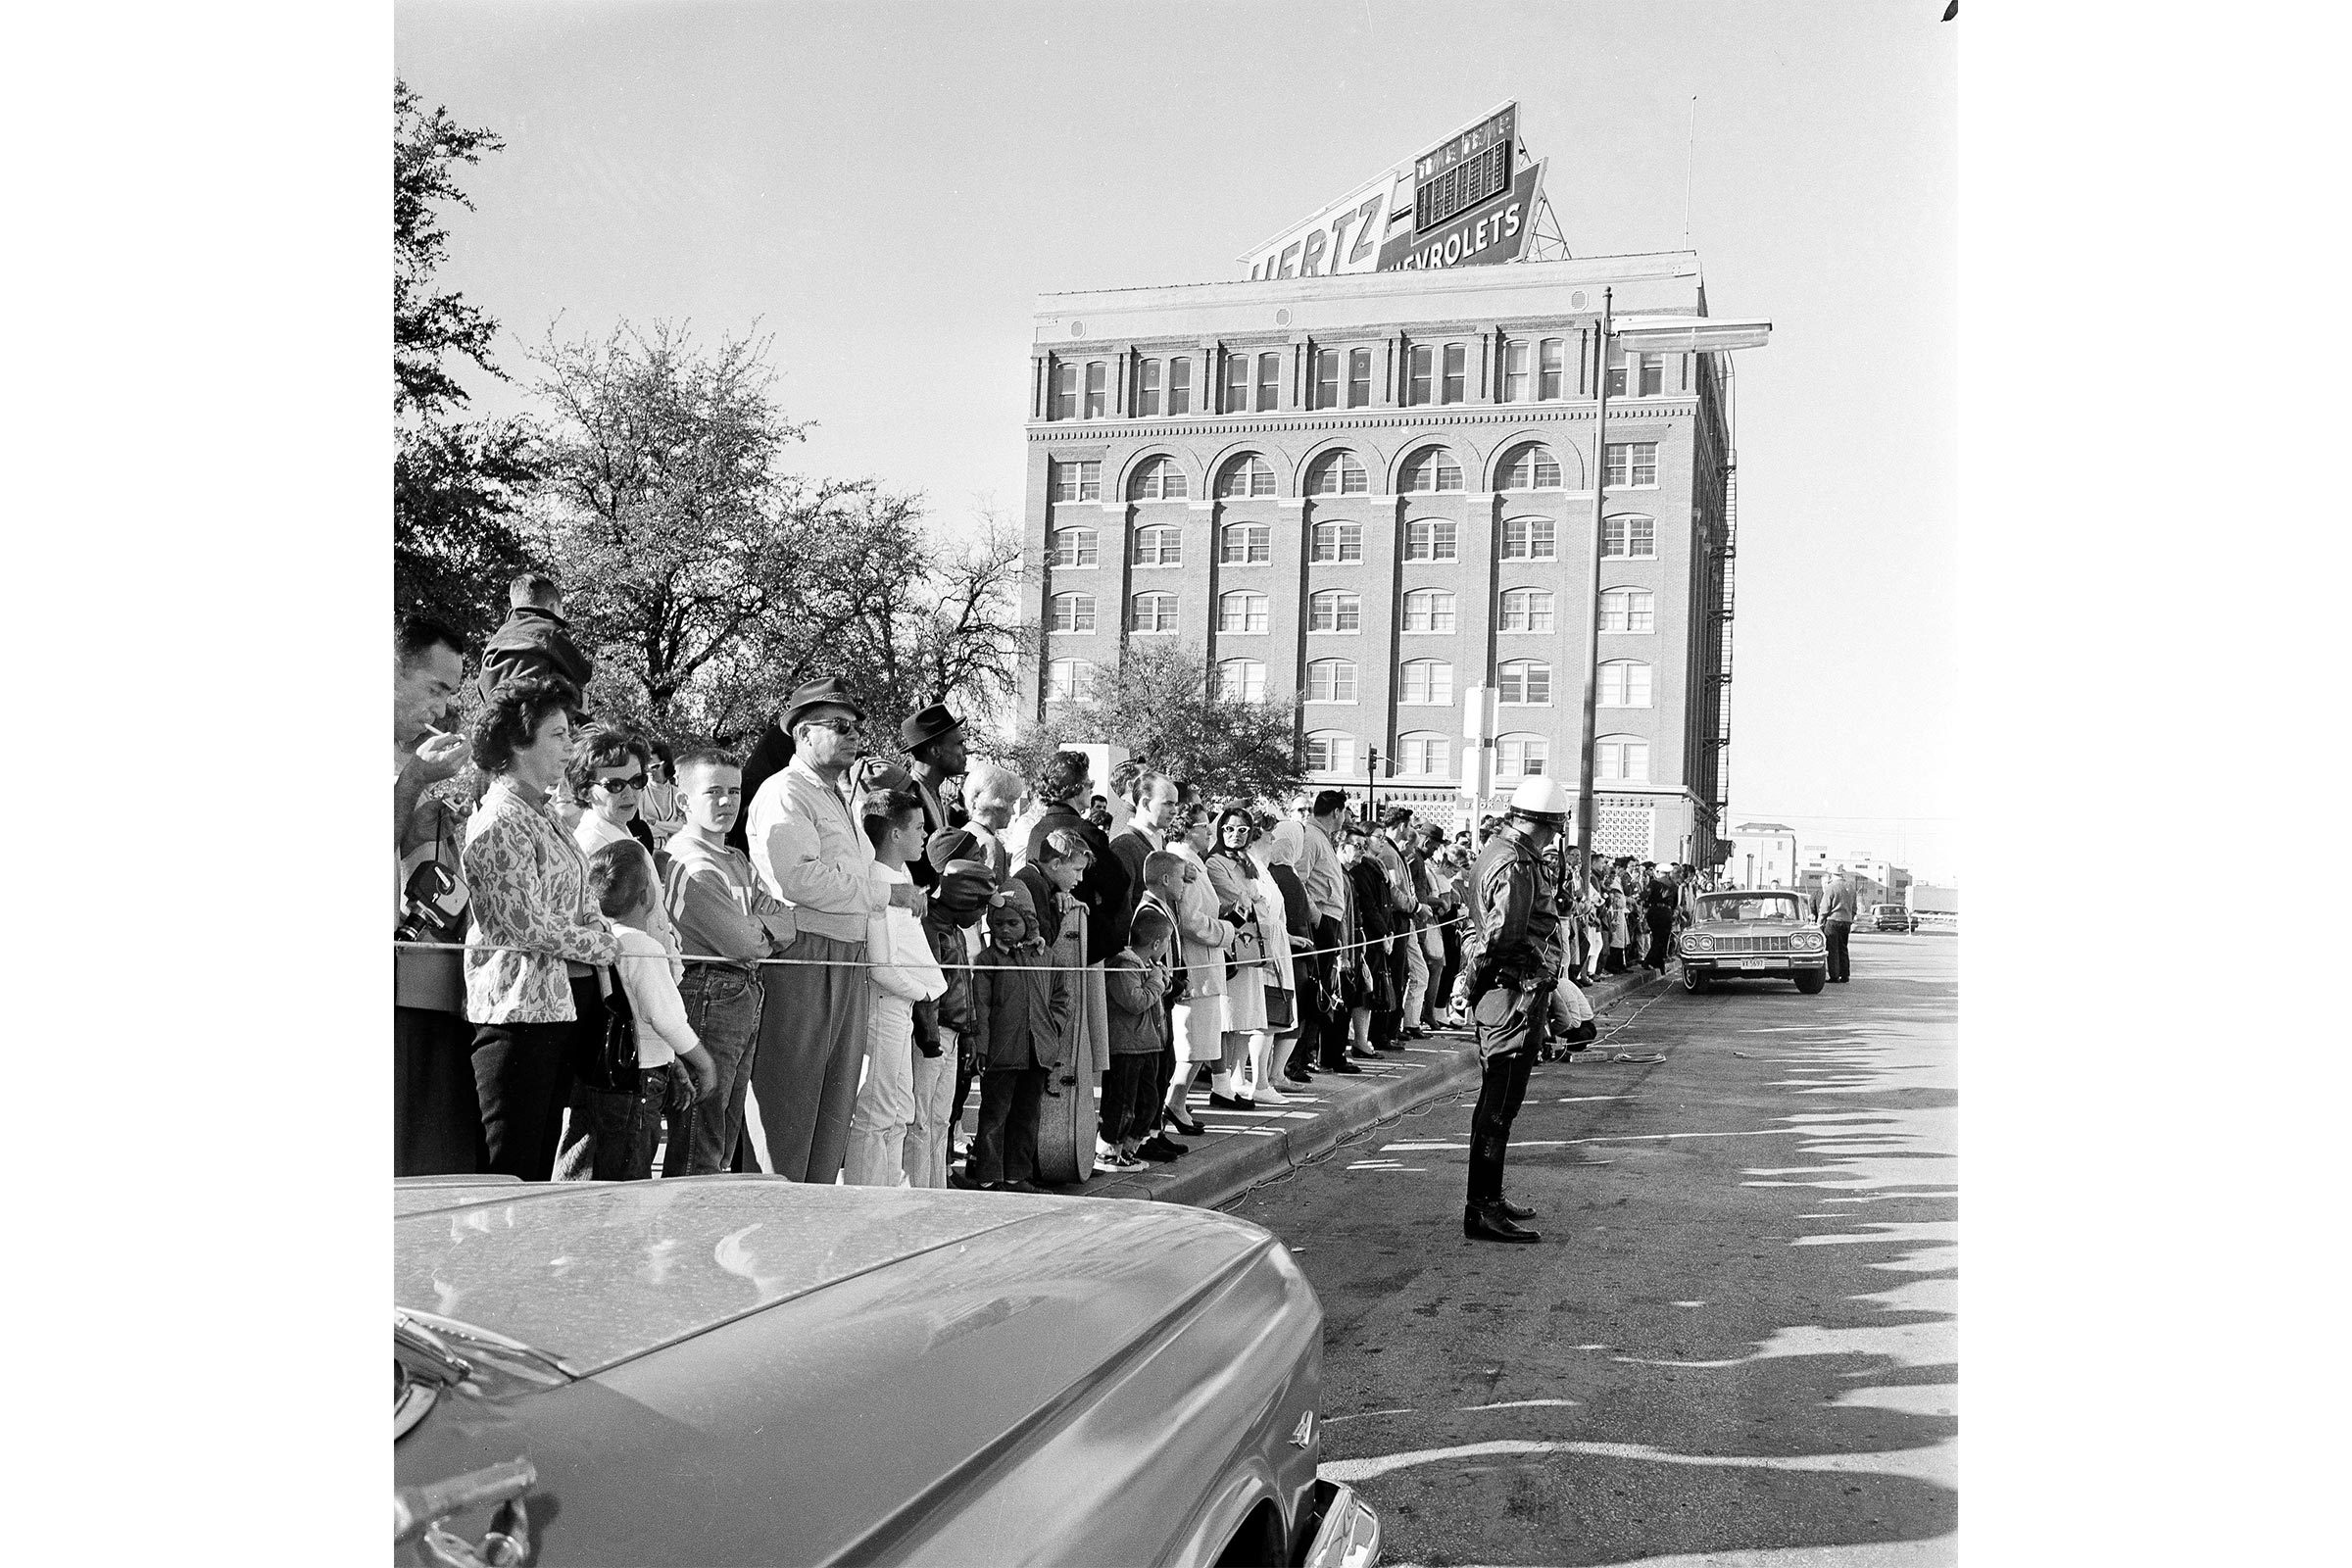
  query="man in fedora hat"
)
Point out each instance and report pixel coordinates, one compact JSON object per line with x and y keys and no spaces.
{"x":809,"y":848}
{"x":933,"y":741}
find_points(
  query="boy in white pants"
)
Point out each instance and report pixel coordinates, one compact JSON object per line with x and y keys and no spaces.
{"x":904,"y":973}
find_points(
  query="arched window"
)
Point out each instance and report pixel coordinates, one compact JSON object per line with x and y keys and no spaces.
{"x":1248,"y":544}
{"x":1338,"y":473}
{"x":1526,"y":610}
{"x":1624,"y":683}
{"x":1424,"y":755}
{"x":1158,"y":547}
{"x":1330,"y":680}
{"x":1073,"y":612}
{"x":1621,"y":759}
{"x":1154,"y":612}
{"x":1159,"y":479}
{"x":1334,"y":611}
{"x":1521,"y":755}
{"x":1072,"y":547}
{"x":1433,"y":469}
{"x":1430,"y":539}
{"x":1246,"y":475}
{"x":1241,"y":612}
{"x":1244,"y":680}
{"x":1530,"y":539}
{"x":1070,"y":680}
{"x":1429,"y":609}
{"x":1532,"y":468}
{"x":1629,"y":610}
{"x":1425,"y":684}
{"x":1330,"y":751}
{"x":1524,"y":683}
{"x":1629,"y":537}
{"x":1339,"y":544}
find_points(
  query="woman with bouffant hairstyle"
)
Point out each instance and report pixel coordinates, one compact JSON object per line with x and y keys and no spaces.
{"x":538,"y":938}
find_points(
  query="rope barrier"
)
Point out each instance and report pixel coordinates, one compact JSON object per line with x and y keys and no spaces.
{"x":860,"y":963}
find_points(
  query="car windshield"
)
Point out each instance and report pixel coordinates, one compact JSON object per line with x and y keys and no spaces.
{"x":1780,"y":907}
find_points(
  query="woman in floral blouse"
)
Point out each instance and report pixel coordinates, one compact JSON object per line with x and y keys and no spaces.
{"x":531,"y":957}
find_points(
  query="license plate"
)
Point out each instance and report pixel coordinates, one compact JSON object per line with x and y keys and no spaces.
{"x":1756,"y":964}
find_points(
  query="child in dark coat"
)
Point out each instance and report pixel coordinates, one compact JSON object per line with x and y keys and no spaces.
{"x":1020,"y":1021}
{"x":1137,"y":981}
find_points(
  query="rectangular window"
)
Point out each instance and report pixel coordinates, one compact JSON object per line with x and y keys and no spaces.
{"x":1653,"y":374}
{"x":1334,"y":612}
{"x":1237,"y":383}
{"x":1331,"y":754}
{"x":1427,"y":683}
{"x":1527,"y":684}
{"x":1359,"y":377}
{"x":1547,"y":369}
{"x":1630,"y":538}
{"x":1617,"y":375}
{"x":1241,"y":612}
{"x":1458,"y":357}
{"x":1330,"y":680}
{"x":1065,"y":392}
{"x":1528,"y":539}
{"x":1624,"y":684}
{"x":1417,"y":387}
{"x":1269,"y":381}
{"x":1526,"y":610}
{"x":1180,"y":386}
{"x":1158,"y":547}
{"x":1327,"y":378}
{"x":1147,"y":389}
{"x":1077,"y":481}
{"x":1426,"y":539}
{"x":1422,"y":756}
{"x":1626,"y":762}
{"x":1072,"y":547}
{"x":1632,"y":463}
{"x":1247,"y":545}
{"x":1098,"y":389}
{"x":1514,"y":374}
{"x":1520,"y":756}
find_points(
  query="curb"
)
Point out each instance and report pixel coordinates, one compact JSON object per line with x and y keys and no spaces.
{"x":1227,"y":1166}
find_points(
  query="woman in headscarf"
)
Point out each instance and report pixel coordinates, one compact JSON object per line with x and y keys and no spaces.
{"x":1246,"y":1041}
{"x":1363,"y":974}
{"x":1282,"y":848}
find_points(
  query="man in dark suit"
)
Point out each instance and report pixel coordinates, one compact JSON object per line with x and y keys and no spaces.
{"x":535,"y":639}
{"x":1154,"y":798}
{"x":1066,"y":786}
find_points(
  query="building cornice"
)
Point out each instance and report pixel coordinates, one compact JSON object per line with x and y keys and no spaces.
{"x":1677,"y":407}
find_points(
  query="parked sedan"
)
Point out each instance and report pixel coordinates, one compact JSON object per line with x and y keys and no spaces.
{"x":744,"y":1369}
{"x":1892,"y":917}
{"x":1754,"y":936}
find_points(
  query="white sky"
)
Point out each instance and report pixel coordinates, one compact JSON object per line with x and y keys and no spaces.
{"x":886,"y":186}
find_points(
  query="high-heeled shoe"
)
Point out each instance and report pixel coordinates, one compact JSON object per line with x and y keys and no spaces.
{"x":1185,"y":1124}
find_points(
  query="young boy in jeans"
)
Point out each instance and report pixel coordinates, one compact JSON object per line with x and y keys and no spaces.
{"x":719,"y":911}
{"x":1137,"y":980}
{"x":1020,"y":1020}
{"x":626,"y":1126}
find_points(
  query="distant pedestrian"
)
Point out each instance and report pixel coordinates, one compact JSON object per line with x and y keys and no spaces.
{"x":1837,"y":923}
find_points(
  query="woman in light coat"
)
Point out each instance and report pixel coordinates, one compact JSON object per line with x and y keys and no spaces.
{"x":1202,"y":941}
{"x":1246,"y":1039}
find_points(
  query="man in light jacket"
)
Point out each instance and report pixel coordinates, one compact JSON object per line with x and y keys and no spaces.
{"x":1837,"y":922}
{"x":810,"y":850}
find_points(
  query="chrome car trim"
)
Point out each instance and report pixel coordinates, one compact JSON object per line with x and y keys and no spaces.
{"x":412,"y":1319}
{"x":410,"y":1405}
{"x":887,"y":1534}
{"x":1348,"y":1534}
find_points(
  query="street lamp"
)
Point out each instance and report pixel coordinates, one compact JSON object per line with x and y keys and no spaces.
{"x":1638,"y":334}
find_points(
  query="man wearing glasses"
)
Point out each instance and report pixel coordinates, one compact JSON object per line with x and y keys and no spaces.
{"x":810,"y":850}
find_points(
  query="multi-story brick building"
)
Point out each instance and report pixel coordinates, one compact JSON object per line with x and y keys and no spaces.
{"x":1374,"y":493}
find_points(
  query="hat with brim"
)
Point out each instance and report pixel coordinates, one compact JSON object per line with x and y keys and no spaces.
{"x":928,"y":725}
{"x":827,"y":693}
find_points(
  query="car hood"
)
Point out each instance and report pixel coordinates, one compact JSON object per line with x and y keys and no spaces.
{"x":1752,"y":928}
{"x":595,"y":1274}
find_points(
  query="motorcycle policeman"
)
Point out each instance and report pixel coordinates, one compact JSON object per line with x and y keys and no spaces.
{"x":1514,"y":904}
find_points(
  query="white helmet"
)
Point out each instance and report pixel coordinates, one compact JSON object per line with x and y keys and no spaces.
{"x":1542,"y":794}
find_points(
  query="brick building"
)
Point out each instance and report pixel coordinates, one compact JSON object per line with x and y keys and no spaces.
{"x":1374,"y":493}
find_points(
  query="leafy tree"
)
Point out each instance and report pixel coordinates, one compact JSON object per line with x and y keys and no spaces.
{"x":1164,"y":705}
{"x":455,"y":487}
{"x":712,"y":580}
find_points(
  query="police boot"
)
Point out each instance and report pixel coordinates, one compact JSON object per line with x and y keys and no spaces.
{"x":1489,"y":1223}
{"x":1515,"y":1211}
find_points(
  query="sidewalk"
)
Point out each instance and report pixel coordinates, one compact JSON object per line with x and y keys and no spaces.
{"x":1243,"y":1147}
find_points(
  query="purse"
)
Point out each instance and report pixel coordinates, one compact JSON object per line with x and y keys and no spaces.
{"x":1281,"y":1014}
{"x":607,"y":1060}
{"x":1248,"y":950}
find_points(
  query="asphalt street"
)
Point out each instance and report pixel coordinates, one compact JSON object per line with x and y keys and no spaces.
{"x":1735,"y":1343}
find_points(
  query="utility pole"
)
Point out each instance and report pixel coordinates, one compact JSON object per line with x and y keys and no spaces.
{"x":1591,"y":650}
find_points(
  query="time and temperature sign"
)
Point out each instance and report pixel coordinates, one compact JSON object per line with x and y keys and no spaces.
{"x":1469,"y":169}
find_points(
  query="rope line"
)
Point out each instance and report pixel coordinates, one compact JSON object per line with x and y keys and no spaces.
{"x":862,"y":964}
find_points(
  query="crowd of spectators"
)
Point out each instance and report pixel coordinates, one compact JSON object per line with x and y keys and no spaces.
{"x":805,"y":959}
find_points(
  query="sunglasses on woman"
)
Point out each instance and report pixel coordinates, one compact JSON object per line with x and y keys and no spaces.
{"x":635,"y":781}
